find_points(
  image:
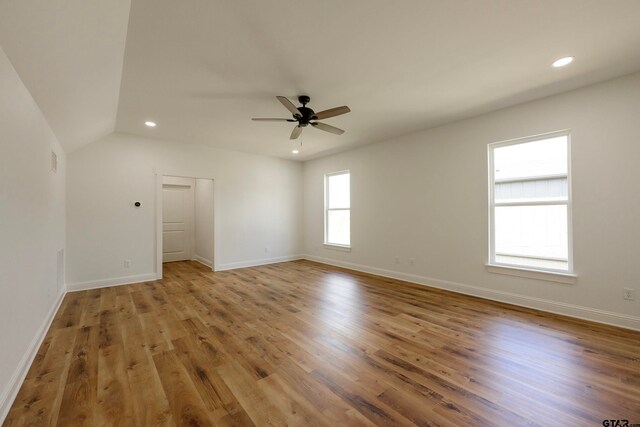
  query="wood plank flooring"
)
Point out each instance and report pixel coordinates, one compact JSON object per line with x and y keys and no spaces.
{"x":302,"y":343}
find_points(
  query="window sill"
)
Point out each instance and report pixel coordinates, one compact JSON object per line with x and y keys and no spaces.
{"x":337,"y":247}
{"x":549,"y":276}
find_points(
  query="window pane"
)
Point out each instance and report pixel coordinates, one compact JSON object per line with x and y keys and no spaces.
{"x":339,"y":191}
{"x":539,"y":189}
{"x":339,"y":227}
{"x":529,"y":159}
{"x":532,"y":234}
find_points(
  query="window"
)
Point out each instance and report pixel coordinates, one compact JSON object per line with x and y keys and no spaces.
{"x":337,"y":206}
{"x":530,"y":203}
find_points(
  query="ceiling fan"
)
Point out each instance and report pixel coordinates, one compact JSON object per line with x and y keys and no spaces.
{"x":306,"y":116}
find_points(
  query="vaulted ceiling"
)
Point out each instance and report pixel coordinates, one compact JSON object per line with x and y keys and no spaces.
{"x":201,"y":68}
{"x":69,"y":54}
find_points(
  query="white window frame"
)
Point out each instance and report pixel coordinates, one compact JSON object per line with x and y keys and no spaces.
{"x":326,"y":210}
{"x":558,"y":275}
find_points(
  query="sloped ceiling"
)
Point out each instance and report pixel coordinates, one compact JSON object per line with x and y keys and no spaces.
{"x":69,"y":55}
{"x":202,"y":68}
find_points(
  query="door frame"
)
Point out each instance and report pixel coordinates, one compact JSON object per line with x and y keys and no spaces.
{"x":158,"y":204}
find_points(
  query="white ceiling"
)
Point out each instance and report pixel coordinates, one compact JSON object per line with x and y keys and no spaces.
{"x":203,"y":68}
{"x":69,"y":55}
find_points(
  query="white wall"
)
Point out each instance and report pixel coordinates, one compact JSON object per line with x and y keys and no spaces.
{"x":257,"y":206}
{"x":425,"y":196}
{"x":204,"y":221}
{"x":31,"y":229}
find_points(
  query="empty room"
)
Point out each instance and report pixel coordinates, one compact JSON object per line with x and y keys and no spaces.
{"x":329,"y":213}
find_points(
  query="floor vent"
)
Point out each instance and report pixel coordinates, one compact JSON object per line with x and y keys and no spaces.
{"x":60,"y":276}
{"x":54,"y":162}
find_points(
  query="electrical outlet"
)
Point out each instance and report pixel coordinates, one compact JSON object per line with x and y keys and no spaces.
{"x":629,"y":294}
{"x":412,"y":261}
{"x":397,"y":260}
{"x":127,"y":263}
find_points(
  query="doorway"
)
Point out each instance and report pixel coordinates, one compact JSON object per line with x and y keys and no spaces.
{"x":185,"y":207}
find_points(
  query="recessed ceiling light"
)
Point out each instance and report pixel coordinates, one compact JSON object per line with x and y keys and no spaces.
{"x":150,"y":124}
{"x":295,"y":151}
{"x":562,"y":61}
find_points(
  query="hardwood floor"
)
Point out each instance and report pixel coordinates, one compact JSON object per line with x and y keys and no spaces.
{"x":301,"y":343}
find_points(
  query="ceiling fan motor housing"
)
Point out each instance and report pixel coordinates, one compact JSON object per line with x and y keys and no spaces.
{"x":307,"y":113}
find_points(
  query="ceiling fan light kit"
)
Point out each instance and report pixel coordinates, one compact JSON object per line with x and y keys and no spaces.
{"x":305,"y":116}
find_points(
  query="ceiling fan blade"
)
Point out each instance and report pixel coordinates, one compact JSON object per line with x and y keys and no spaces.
{"x":296,"y":132}
{"x":289,"y":105}
{"x":327,"y":128}
{"x":273,"y":120}
{"x":332,"y":112}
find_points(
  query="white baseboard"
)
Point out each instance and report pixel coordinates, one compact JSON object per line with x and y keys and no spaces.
{"x":11,"y":390}
{"x":580,"y":312}
{"x":127,"y":280}
{"x":115,"y":281}
{"x":256,"y":262}
{"x":203,"y":261}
